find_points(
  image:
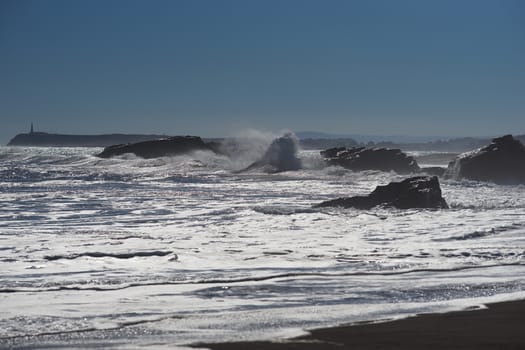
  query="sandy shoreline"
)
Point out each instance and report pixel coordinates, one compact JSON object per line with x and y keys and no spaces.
{"x":500,"y":326}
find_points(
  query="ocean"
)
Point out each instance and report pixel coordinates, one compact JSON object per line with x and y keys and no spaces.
{"x":127,"y":252}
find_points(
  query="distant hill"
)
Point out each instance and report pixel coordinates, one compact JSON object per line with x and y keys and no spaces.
{"x":44,"y":139}
{"x":455,"y":145}
{"x":458,"y":145}
{"x":302,"y":135}
{"x":327,"y":143}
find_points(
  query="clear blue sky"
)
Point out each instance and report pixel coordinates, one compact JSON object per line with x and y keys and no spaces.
{"x":212,"y":68}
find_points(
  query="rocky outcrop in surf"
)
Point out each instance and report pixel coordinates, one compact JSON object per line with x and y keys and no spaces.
{"x":414,"y":192}
{"x":502,"y":162}
{"x":362,"y":158}
{"x":281,"y":155}
{"x":159,"y":148}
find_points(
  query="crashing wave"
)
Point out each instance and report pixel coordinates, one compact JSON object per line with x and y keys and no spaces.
{"x":281,"y":155}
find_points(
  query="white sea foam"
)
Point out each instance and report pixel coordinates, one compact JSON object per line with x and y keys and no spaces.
{"x":182,"y":249}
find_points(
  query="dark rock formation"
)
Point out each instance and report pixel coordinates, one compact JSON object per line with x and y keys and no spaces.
{"x":158,"y":148}
{"x":334,"y":152}
{"x":502,"y":162}
{"x":281,"y":155}
{"x":414,"y":192}
{"x":362,"y":158}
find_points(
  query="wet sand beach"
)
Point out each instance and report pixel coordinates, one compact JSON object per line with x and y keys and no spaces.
{"x":500,"y":326}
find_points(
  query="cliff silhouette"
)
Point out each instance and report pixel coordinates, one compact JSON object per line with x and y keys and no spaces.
{"x":63,"y":140}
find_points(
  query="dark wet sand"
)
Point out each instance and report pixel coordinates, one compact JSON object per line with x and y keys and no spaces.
{"x":501,"y":326}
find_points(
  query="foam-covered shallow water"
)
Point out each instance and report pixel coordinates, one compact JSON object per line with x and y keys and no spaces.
{"x":109,"y":252}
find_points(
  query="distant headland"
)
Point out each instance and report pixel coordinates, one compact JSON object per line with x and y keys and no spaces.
{"x":44,"y":139}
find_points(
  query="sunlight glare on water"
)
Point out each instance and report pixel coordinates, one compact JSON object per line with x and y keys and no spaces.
{"x":128,"y":248}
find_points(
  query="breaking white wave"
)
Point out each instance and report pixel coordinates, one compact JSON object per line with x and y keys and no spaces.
{"x":101,"y":251}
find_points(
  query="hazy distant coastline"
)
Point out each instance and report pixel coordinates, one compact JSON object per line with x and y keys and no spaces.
{"x":314,"y":140}
{"x":308,"y":140}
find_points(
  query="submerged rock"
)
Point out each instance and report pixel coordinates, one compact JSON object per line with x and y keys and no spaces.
{"x":281,"y":155}
{"x":159,"y":148}
{"x":502,"y":162}
{"x":414,"y":192}
{"x":362,"y":158}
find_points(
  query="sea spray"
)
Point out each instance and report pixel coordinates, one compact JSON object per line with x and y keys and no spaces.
{"x":246,"y":147}
{"x":281,"y":155}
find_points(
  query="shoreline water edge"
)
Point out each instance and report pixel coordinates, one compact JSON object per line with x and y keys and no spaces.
{"x":496,"y":326}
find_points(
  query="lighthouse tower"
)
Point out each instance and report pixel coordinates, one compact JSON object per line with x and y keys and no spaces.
{"x":31,"y":131}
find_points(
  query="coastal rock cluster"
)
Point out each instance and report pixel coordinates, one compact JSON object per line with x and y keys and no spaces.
{"x":414,"y":192}
{"x":362,"y":158}
{"x":502,"y":161}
